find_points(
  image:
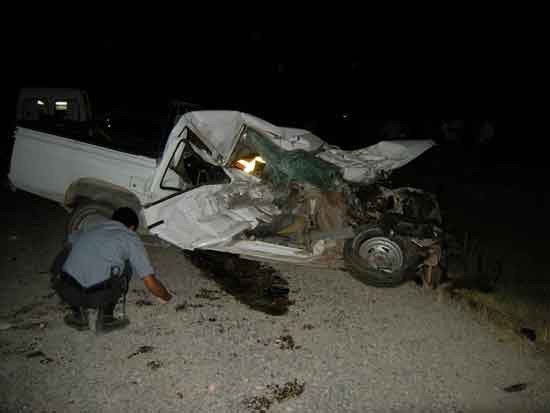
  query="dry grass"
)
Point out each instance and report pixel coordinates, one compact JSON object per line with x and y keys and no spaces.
{"x":509,"y":313}
{"x":483,"y":281}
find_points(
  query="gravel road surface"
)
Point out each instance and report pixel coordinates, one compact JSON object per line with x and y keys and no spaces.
{"x":342,"y":346}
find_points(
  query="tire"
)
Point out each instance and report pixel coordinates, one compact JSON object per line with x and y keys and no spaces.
{"x":376,"y":258}
{"x":88,"y":214}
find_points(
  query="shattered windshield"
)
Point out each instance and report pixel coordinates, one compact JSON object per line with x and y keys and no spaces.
{"x":258,"y":155}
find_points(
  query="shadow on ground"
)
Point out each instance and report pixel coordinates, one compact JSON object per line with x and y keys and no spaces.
{"x":254,"y":284}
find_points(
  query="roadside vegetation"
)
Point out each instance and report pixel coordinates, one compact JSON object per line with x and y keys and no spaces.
{"x":495,"y":211}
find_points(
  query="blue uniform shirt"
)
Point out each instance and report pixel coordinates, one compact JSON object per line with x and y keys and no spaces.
{"x":107,"y":246}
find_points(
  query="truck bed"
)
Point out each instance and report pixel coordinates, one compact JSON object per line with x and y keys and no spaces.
{"x":46,"y":165}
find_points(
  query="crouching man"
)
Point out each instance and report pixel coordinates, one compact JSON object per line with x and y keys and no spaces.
{"x":98,"y":267}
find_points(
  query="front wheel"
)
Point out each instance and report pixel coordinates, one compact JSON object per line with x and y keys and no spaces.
{"x":376,"y":258}
{"x":87,"y":215}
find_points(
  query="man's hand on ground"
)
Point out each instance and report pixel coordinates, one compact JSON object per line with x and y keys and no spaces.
{"x":164,"y":300}
{"x":157,"y":289}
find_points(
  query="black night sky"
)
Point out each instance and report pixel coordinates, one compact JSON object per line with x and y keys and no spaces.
{"x":335,"y":76}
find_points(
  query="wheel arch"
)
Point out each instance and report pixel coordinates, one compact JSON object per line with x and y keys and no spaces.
{"x":102,"y":192}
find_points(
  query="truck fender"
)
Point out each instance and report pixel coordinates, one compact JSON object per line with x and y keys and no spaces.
{"x":98,"y":192}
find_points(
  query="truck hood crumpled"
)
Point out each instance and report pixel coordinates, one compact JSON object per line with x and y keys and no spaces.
{"x":241,"y":216}
{"x":367,"y":164}
{"x":220,"y":130}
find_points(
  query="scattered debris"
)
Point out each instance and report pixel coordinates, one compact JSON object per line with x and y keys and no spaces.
{"x":154,"y":364}
{"x":24,"y":325}
{"x":258,"y":403}
{"x":141,"y":350}
{"x":288,"y":390}
{"x":30,"y":325}
{"x":38,"y":353}
{"x":141,"y":293}
{"x":279,"y":393}
{"x":182,"y":306}
{"x":207,"y":294}
{"x":142,"y":302}
{"x":264,"y":342}
{"x":27,"y":347}
{"x":196,"y":305}
{"x":528,"y":333}
{"x":515,"y":388}
{"x":286,"y":343}
{"x":26,"y":309}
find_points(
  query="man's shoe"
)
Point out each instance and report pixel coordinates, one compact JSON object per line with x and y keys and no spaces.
{"x":77,"y":320}
{"x":107,"y":324}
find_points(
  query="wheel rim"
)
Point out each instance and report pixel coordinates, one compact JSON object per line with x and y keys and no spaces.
{"x":381,"y":254}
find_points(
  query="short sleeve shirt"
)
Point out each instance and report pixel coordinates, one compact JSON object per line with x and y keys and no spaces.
{"x":104,"y":250}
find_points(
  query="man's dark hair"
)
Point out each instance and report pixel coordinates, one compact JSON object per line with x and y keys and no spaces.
{"x":127,"y":216}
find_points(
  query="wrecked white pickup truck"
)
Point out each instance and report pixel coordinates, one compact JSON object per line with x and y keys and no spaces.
{"x":231,"y":182}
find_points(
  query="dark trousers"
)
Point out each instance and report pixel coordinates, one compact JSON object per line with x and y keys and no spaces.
{"x":103,"y":296}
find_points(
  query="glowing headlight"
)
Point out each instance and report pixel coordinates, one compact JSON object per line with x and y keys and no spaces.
{"x":249,"y":166}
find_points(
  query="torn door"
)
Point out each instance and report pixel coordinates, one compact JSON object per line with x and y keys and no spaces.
{"x":209,"y":216}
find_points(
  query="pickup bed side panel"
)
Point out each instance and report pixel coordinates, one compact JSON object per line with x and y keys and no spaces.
{"x":47,"y":165}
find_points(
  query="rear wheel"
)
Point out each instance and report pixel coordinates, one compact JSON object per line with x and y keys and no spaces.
{"x":376,"y":258}
{"x":87,"y":215}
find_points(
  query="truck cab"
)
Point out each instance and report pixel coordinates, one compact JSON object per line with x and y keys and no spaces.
{"x":53,"y":104}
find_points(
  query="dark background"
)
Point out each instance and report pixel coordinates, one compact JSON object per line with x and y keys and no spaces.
{"x":340,"y":76}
